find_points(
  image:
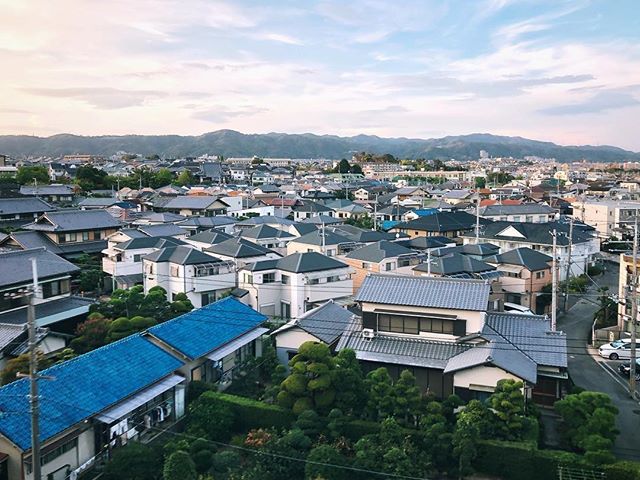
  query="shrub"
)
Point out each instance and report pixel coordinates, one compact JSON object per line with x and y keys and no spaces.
{"x":209,"y":418}
{"x":135,"y":462}
{"x":623,"y":471}
{"x":357,"y":429}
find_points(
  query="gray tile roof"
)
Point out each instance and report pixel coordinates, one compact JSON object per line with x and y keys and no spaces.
{"x":264,"y":231}
{"x":74,"y":220}
{"x":47,"y":190}
{"x":522,"y":209}
{"x":455,"y":263}
{"x":424,"y":243}
{"x":15,"y":267}
{"x":210,"y":236}
{"x":361,"y":235}
{"x":215,"y":221}
{"x":310,"y":206}
{"x":532,"y":335}
{"x":29,"y":240}
{"x":316,"y":238}
{"x":537,"y":233}
{"x":149,"y":242}
{"x":14,"y":206}
{"x":161,"y":230}
{"x":525,"y":257}
{"x":300,"y":263}
{"x":326,"y":219}
{"x":442,"y":222}
{"x":238,"y":248}
{"x":190,"y":202}
{"x":425,"y":292}
{"x":11,"y":335}
{"x":265,"y":219}
{"x":401,"y":350}
{"x":161,"y":217}
{"x":181,"y":255}
{"x":376,"y":252}
{"x":326,"y":322}
{"x":47,"y":309}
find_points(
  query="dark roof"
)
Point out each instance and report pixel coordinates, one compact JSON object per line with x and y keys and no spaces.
{"x":215,"y":221}
{"x":11,"y":335}
{"x":264,"y":231}
{"x":269,"y":219}
{"x":198,"y":202}
{"x":303,"y":228}
{"x":522,"y":209}
{"x":401,"y":350}
{"x":149,"y":242}
{"x":208,"y":328}
{"x":418,"y":291}
{"x":60,"y":309}
{"x":74,"y":220}
{"x":15,"y":267}
{"x":326,"y":322}
{"x":15,"y":206}
{"x":309,"y":206}
{"x":238,"y":248}
{"x":376,"y":252}
{"x":161,"y":230}
{"x":425,"y":243}
{"x":442,"y":222}
{"x":326,"y":219}
{"x":299,"y":263}
{"x":453,"y":264}
{"x":538,"y":233}
{"x":182,"y":255}
{"x":210,"y":236}
{"x":316,"y":238}
{"x":524,"y":256}
{"x":357,"y":234}
{"x":47,"y":190}
{"x":161,"y":217}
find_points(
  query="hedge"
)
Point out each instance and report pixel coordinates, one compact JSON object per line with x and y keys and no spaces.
{"x":354,"y":430}
{"x":623,"y":471}
{"x":249,"y":413}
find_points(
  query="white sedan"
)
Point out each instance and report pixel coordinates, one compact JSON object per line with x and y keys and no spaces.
{"x":620,"y":349}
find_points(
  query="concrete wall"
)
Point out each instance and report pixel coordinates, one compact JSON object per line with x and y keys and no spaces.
{"x":483,"y":376}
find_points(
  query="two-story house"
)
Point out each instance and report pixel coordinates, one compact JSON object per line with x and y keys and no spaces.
{"x":289,"y":286}
{"x":204,"y":278}
{"x":55,"y":306}
{"x":55,"y":193}
{"x":69,"y":233}
{"x":524,"y":212}
{"x":15,"y":212}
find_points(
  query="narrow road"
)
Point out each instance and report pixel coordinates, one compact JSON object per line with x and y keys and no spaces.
{"x":593,"y":373}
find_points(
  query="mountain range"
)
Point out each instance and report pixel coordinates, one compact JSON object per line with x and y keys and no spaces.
{"x":230,"y":143}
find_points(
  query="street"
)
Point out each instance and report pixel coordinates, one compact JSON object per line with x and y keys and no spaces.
{"x":592,"y":372}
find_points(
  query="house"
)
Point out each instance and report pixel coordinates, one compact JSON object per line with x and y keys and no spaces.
{"x":456,"y":265}
{"x":524,"y":274}
{"x":157,"y":218}
{"x":268,"y":237}
{"x":291,"y":285}
{"x":195,"y":225}
{"x":248,"y":207}
{"x":14,"y":341}
{"x":69,"y":233}
{"x":539,"y":237}
{"x":207,"y":238}
{"x":54,"y":193}
{"x":241,"y":251}
{"x":200,"y":205}
{"x":323,"y":324}
{"x":123,"y":261}
{"x":204,"y":278}
{"x":310,"y":209}
{"x":446,"y":224}
{"x":610,"y":218}
{"x":524,"y":212}
{"x":54,"y":304}
{"x":15,"y":212}
{"x":378,"y":257}
{"x":127,"y":391}
{"x":322,"y":241}
{"x":346,"y":209}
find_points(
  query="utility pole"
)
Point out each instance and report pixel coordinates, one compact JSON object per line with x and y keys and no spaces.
{"x":429,"y":262}
{"x":478,"y":218}
{"x":322,"y":244}
{"x":375,"y":214}
{"x":554,"y":285}
{"x":634,"y":310}
{"x":566,"y":288}
{"x":33,"y":376}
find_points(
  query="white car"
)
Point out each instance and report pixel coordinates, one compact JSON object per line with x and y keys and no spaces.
{"x":616,"y":350}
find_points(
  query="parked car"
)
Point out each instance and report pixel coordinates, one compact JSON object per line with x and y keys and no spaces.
{"x":625,"y":369}
{"x":616,"y":350}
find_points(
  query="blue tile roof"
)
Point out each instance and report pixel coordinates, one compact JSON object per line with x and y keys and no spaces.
{"x":203,"y":330}
{"x":83,"y":387}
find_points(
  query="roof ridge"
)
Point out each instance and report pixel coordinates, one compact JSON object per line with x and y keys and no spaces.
{"x":429,"y":279}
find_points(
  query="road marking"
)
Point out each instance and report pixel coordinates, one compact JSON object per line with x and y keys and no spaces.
{"x":613,"y":375}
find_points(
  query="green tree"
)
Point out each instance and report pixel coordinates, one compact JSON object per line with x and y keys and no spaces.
{"x":349,"y":383}
{"x":185,"y":178}
{"x":179,"y":466}
{"x":380,"y":394}
{"x":355,"y":168}
{"x":162,"y":178}
{"x":507,"y":403}
{"x":406,"y":398}
{"x":310,"y":385}
{"x":480,"y":182}
{"x":91,"y":334}
{"x":438,"y":435}
{"x":499,"y":178}
{"x":310,"y":423}
{"x":320,"y":461}
{"x":294,"y":444}
{"x":209,"y":418}
{"x":90,"y":178}
{"x":20,"y":364}
{"x":466,"y":436}
{"x":588,"y":423}
{"x":135,"y":462}
{"x":27,"y":174}
{"x":343,"y":166}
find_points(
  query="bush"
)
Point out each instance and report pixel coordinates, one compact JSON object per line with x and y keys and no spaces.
{"x":357,"y":429}
{"x":208,"y":418}
{"x":249,"y":414}
{"x":134,"y":462}
{"x":623,"y":471}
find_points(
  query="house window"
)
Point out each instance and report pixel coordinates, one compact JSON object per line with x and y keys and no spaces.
{"x":366,"y":265}
{"x":269,"y":277}
{"x":314,"y":281}
{"x":388,"y":267}
{"x":285,"y":279}
{"x":285,"y":310}
{"x":85,"y":236}
{"x":247,"y":278}
{"x":333,"y":278}
{"x":137,"y":257}
{"x":414,"y":325}
{"x":97,"y":234}
{"x":175,"y":271}
{"x":539,"y":275}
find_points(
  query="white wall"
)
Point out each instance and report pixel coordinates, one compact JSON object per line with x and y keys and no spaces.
{"x":482,"y":375}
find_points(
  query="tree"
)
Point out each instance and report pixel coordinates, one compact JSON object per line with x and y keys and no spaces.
{"x":380,"y":394}
{"x":185,"y":178}
{"x":466,"y":436}
{"x":589,"y":423}
{"x":349,"y":383}
{"x":27,"y":174}
{"x":310,"y":385}
{"x":89,"y":178}
{"x":310,"y":423}
{"x":480,"y":182}
{"x":20,"y":364}
{"x":499,"y":178}
{"x":209,"y":418}
{"x":179,"y":466}
{"x":507,"y":403}
{"x":343,"y":166}
{"x":326,"y":456}
{"x":406,"y":398}
{"x":91,"y":334}
{"x":162,"y":178}
{"x":134,"y":462}
{"x":355,"y":168}
{"x":438,"y":435}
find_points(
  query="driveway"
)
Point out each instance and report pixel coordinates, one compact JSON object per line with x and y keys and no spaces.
{"x":591,"y":372}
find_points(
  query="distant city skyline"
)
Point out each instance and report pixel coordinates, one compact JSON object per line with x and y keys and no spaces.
{"x":562,"y":71}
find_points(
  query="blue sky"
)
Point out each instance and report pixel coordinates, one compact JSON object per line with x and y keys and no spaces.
{"x":564,"y":71}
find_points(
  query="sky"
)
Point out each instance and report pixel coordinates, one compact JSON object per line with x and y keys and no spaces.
{"x":562,"y":71}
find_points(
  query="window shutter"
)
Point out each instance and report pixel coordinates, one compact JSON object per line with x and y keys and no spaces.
{"x":460,"y":328}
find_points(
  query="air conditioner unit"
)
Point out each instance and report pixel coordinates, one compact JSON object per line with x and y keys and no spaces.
{"x":368,"y":333}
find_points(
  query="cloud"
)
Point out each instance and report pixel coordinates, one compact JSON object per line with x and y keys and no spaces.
{"x":280,"y":37}
{"x":598,"y":103}
{"x":221,"y":114}
{"x":100,"y":97}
